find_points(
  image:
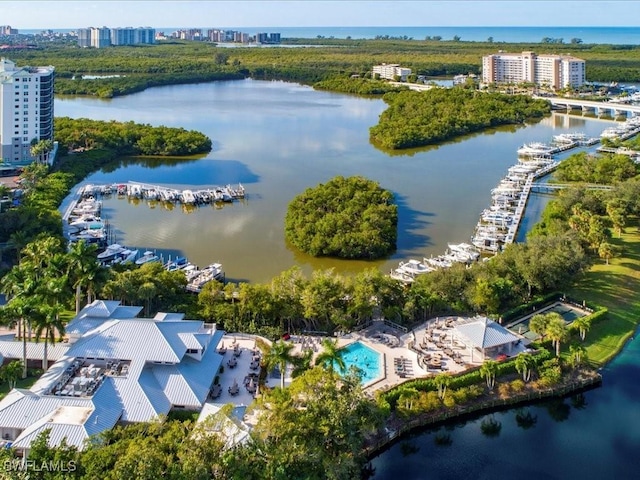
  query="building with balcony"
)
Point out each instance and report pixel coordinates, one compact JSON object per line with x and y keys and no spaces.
{"x":554,"y":71}
{"x":391,"y":71}
{"x":26,"y":110}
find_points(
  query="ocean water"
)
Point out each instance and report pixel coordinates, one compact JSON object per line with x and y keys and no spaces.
{"x":601,"y":35}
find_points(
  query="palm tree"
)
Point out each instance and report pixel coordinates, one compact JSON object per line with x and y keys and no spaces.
{"x":407,"y":397}
{"x":20,"y":287}
{"x":524,"y":363}
{"x":48,"y":322}
{"x":331,"y":355}
{"x":607,"y":251}
{"x":577,"y":354}
{"x":538,"y":324}
{"x":279,"y":355}
{"x":488,"y":371}
{"x":442,"y":381}
{"x":11,"y":373}
{"x":583,"y":324}
{"x":556,"y":330}
{"x":83,"y":267}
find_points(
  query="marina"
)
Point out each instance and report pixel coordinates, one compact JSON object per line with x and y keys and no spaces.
{"x":499,"y":224}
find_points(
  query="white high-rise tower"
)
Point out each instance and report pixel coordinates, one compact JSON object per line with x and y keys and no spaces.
{"x":26,"y":110}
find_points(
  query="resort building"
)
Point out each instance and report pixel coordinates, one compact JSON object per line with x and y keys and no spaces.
{"x":554,"y":71}
{"x":391,"y":71}
{"x":105,"y":37}
{"x":114,"y":368}
{"x":26,"y":110}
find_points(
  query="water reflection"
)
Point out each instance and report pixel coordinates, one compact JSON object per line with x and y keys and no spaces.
{"x":278,"y":139}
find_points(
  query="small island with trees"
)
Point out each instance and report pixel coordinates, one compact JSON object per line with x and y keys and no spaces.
{"x":346,"y":217}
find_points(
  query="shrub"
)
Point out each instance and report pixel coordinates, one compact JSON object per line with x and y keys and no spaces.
{"x":517,"y":385}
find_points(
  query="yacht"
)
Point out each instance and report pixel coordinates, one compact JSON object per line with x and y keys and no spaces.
{"x":402,"y":276}
{"x":206,"y":275}
{"x":86,"y":222}
{"x":188,"y":197}
{"x":534,"y":149}
{"x":147,"y":257}
{"x":178,"y":264}
{"x":414,"y":267}
{"x":110,"y":252}
{"x":439,"y":262}
{"x":126,"y":256}
{"x":464,"y":250}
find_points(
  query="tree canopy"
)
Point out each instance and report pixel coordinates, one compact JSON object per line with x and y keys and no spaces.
{"x":415,"y":119}
{"x":346,"y":217}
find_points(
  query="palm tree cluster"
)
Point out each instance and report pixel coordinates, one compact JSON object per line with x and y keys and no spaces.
{"x":38,"y":289}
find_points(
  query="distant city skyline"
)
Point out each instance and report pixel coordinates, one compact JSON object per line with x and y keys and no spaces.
{"x":70,"y":14}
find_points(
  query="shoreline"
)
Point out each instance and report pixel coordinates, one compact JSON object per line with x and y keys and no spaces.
{"x":396,"y":432}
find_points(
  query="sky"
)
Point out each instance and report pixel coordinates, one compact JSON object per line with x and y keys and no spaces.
{"x":68,"y":14}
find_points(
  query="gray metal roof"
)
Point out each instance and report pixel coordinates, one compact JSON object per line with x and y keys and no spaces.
{"x":35,"y":351}
{"x":485,"y":333}
{"x":160,"y":375}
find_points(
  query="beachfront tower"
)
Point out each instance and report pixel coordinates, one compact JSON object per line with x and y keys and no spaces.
{"x":26,"y":110}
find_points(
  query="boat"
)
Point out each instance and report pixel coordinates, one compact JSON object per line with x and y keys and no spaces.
{"x":402,"y":276}
{"x":188,"y":197}
{"x":86,"y":221}
{"x":209,"y":273}
{"x":178,"y":264}
{"x":464,"y":250}
{"x":535,"y":148}
{"x":110,"y":252}
{"x":147,"y":257}
{"x":126,"y":256}
{"x":414,"y":267}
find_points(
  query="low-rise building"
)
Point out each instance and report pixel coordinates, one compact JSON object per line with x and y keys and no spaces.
{"x":392,"y":71}
{"x":117,"y":368}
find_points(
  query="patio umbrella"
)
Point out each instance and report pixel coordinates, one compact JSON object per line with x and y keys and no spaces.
{"x":251,"y":384}
{"x":235,"y":384}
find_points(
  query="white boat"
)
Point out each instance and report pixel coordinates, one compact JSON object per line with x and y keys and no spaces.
{"x":402,"y":276}
{"x":439,"y":262}
{"x":178,"y":264}
{"x":127,"y":256}
{"x":147,"y":257}
{"x":86,"y":221}
{"x":535,"y":148}
{"x":414,"y":267}
{"x":110,"y":252}
{"x":464,"y":250}
{"x":188,"y":197}
{"x":204,"y":276}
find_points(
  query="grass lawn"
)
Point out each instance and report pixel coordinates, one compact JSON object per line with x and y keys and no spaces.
{"x":26,"y":383}
{"x":616,"y":287}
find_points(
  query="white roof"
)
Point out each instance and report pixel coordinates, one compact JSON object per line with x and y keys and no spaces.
{"x":35,"y":351}
{"x":161,"y":374}
{"x":485,"y":333}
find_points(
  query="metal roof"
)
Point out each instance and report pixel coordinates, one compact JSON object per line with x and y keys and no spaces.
{"x":160,"y":375}
{"x":35,"y":351}
{"x":485,"y":333}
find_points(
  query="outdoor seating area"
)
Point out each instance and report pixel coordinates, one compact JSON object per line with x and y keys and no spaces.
{"x":238,"y":380}
{"x":403,"y":367}
{"x":82,"y":380}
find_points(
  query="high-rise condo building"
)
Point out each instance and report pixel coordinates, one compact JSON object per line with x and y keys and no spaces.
{"x":554,"y":71}
{"x":26,"y":110}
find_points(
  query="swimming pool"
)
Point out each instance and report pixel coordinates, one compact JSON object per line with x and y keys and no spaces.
{"x":365,"y":359}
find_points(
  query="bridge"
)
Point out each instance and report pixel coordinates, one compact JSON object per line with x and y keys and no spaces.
{"x":599,"y":107}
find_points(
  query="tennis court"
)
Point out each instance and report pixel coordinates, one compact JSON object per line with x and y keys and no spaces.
{"x":567,"y":311}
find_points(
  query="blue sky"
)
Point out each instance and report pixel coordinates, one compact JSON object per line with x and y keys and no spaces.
{"x":28,"y":14}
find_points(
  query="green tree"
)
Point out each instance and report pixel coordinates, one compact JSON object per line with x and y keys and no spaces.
{"x":583,"y":325}
{"x":331,"y":356}
{"x":280,"y":355}
{"x":577,"y":355}
{"x":556,"y":330}
{"x":46,"y":323}
{"x":524,"y":365}
{"x":488,"y":371}
{"x":607,"y":251}
{"x":442,"y":381}
{"x":538,"y":324}
{"x":83,"y":269}
{"x":11,"y":372}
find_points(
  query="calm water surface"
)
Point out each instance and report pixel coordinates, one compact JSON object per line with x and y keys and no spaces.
{"x":591,"y":436}
{"x":278,"y":139}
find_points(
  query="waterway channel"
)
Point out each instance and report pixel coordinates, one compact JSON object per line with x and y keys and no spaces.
{"x":278,"y":139}
{"x":592,"y":435}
